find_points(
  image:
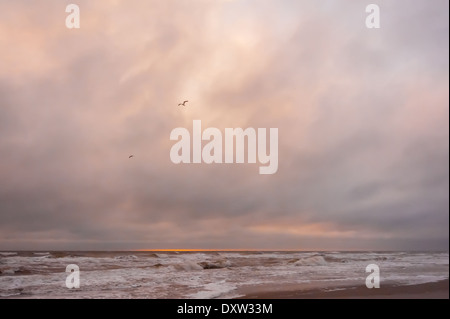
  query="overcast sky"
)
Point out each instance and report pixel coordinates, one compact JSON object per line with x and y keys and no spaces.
{"x":362,"y":114}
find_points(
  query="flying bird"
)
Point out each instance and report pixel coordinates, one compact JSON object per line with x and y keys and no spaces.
{"x":183,"y":104}
{"x":130,"y":156}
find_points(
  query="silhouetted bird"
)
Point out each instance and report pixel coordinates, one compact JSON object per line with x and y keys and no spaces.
{"x":130,"y":156}
{"x":183,"y":104}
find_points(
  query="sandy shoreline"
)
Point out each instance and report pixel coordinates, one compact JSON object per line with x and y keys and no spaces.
{"x":434,"y":290}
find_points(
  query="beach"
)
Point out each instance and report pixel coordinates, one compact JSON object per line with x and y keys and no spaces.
{"x":433,"y":290}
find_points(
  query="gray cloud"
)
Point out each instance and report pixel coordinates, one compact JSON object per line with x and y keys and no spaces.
{"x":362,"y":117}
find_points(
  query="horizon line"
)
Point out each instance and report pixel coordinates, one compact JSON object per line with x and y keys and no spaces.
{"x":223,"y":250}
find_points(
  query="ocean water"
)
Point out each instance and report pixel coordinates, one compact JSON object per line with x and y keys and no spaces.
{"x":205,"y":274}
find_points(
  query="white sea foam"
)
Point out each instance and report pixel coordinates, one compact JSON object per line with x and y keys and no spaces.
{"x":41,"y":253}
{"x":213,"y":290}
{"x":11,"y":294}
{"x":311,"y":261}
{"x":188,"y":265}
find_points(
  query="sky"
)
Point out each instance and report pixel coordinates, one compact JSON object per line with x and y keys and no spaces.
{"x":362,"y":117}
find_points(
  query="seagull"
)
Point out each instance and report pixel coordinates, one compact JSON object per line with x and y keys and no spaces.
{"x":130,"y":156}
{"x":183,"y":104}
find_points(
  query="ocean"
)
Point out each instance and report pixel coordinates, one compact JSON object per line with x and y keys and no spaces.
{"x":206,"y":274}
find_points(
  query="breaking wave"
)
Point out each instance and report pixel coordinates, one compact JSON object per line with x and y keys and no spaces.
{"x":311,"y":261}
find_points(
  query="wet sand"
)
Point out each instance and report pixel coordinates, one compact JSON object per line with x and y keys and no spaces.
{"x":434,"y":290}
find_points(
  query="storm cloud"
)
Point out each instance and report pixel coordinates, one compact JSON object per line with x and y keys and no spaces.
{"x":362,"y":117}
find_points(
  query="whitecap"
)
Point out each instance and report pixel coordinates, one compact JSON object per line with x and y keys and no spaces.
{"x":311,"y":261}
{"x":6,"y":254}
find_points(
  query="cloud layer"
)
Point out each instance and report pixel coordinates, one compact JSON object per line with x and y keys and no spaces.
{"x":362,"y":117}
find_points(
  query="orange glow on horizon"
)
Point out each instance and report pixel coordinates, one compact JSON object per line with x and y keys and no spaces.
{"x":236,"y":249}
